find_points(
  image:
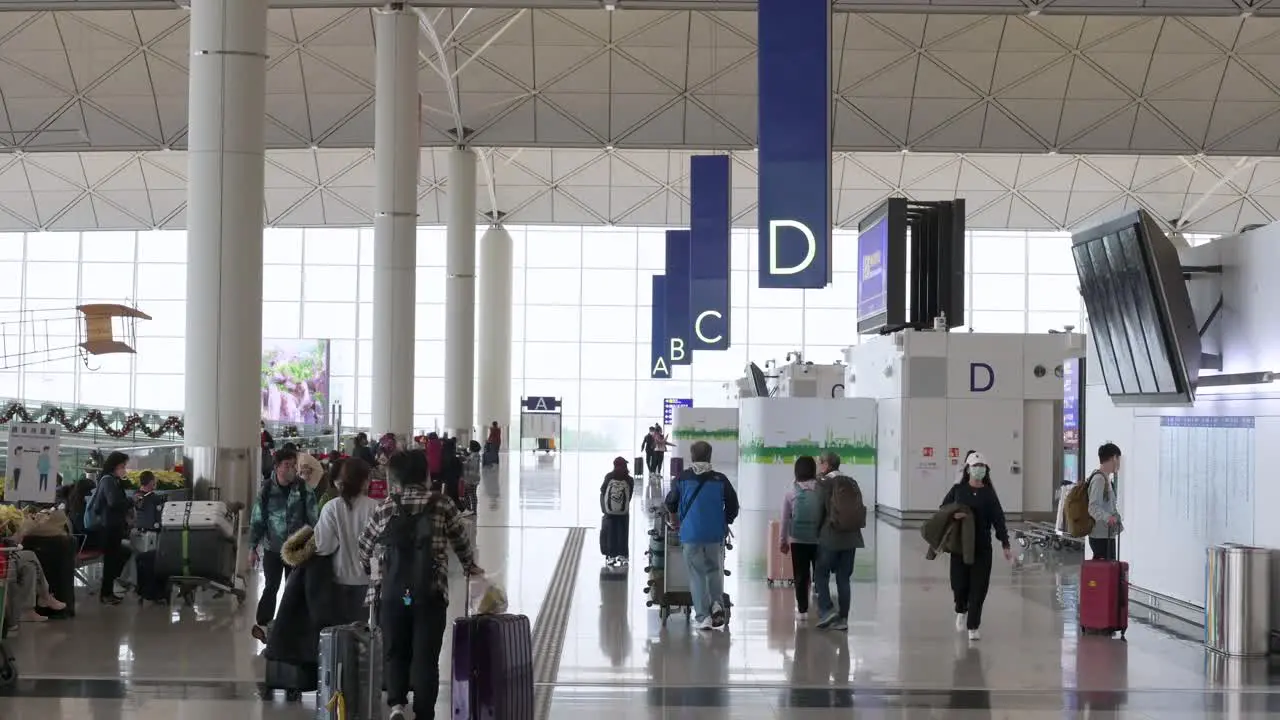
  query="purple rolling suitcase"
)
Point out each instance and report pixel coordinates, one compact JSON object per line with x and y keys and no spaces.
{"x":493,"y":668}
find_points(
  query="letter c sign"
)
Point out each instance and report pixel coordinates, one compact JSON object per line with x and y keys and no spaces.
{"x":975,"y":372}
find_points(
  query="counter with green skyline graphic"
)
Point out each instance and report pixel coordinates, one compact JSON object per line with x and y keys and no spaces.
{"x":705,"y":433}
{"x":858,"y":450}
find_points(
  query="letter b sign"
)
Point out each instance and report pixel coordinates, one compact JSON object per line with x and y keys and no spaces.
{"x":982,"y":377}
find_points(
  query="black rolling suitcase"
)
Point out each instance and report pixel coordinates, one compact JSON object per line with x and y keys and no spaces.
{"x":152,"y":587}
{"x":638,"y":470}
{"x":614,"y":531}
{"x":490,"y":456}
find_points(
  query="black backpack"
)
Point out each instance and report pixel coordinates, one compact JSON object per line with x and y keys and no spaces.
{"x":410,"y":566}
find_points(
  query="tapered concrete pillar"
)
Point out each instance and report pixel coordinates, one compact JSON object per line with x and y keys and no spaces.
{"x":225,"y":156}
{"x":493,"y":373}
{"x":395,"y":151}
{"x":460,"y":296}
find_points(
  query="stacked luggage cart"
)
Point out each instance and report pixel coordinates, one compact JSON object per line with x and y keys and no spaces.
{"x":197,"y":549}
{"x":1050,"y":535}
{"x":668,"y":582}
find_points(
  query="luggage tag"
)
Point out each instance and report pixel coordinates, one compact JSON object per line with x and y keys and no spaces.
{"x":408,"y":598}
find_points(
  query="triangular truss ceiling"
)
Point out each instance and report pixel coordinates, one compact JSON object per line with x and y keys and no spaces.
{"x":564,"y":186}
{"x":1100,"y":83}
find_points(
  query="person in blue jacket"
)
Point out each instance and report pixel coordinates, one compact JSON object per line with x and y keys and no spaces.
{"x":704,"y":504}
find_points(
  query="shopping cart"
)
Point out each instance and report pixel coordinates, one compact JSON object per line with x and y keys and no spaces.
{"x":8,"y":568}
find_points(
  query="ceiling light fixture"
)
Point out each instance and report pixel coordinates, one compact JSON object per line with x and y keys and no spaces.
{"x":1033,"y":12}
{"x":610,"y":5}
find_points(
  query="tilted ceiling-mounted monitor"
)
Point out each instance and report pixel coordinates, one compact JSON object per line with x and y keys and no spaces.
{"x":911,"y":265}
{"x":758,"y":383}
{"x":1144,"y":329}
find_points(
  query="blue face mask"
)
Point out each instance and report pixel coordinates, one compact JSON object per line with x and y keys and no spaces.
{"x":977,"y":472}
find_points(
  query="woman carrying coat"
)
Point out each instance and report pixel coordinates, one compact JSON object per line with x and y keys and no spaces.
{"x":970,"y":583}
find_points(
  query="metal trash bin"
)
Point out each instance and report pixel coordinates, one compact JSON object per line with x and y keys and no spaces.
{"x":1237,"y":608}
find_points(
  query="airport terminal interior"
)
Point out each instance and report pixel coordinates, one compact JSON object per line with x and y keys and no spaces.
{"x":924,"y":236}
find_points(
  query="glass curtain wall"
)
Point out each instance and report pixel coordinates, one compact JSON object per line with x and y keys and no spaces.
{"x":581,"y":319}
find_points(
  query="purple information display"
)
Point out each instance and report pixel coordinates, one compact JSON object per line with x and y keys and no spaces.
{"x":1070,"y":398}
{"x":873,"y":254}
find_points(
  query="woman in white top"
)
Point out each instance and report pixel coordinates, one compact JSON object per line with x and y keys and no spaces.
{"x":337,"y":532}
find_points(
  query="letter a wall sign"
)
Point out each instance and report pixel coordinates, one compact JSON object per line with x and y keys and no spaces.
{"x":659,"y":341}
{"x":795,"y":143}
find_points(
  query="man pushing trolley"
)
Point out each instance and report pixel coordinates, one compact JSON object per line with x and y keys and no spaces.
{"x":701,"y":506}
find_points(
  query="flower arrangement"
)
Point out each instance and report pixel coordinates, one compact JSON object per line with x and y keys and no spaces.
{"x":11,"y":518}
{"x":165,"y":479}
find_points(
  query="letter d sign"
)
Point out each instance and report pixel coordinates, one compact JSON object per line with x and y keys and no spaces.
{"x":975,"y":370}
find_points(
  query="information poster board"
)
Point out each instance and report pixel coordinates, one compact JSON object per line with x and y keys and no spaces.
{"x":32,"y":467}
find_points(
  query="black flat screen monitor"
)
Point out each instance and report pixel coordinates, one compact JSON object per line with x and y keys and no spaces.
{"x":757,"y":380}
{"x":1140,"y":317}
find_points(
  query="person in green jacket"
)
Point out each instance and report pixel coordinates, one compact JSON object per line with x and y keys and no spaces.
{"x":284,"y":506}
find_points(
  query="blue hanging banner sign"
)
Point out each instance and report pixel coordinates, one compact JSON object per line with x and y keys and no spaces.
{"x":710,"y":218}
{"x":678,"y":325}
{"x":795,"y":143}
{"x":659,"y":368}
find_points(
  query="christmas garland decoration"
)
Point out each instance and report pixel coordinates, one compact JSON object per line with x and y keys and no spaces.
{"x":115,"y":424}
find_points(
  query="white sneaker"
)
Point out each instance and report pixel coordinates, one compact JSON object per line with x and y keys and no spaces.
{"x":398,"y":712}
{"x":703,"y":624}
{"x":802,"y":617}
{"x":962,"y":621}
{"x":975,"y":635}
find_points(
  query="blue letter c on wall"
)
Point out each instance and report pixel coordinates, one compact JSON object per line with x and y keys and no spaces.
{"x":990,"y":380}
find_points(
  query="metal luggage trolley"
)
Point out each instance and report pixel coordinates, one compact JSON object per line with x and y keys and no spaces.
{"x":1046,"y":535}
{"x":187,"y":586}
{"x":8,"y":568}
{"x":668,"y":585}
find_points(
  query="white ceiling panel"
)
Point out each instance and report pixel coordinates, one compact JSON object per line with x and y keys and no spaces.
{"x":1203,"y":82}
{"x":567,"y":186}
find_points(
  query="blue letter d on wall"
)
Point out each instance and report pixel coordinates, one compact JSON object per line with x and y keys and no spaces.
{"x":988,"y":383}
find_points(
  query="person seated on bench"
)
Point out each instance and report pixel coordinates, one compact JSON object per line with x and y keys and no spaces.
{"x":28,"y":588}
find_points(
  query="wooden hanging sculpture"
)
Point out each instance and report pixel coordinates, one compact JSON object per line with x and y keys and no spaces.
{"x":110,"y":328}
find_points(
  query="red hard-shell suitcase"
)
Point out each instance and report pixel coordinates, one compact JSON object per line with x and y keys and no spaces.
{"x":493,"y":668}
{"x":1104,"y":597}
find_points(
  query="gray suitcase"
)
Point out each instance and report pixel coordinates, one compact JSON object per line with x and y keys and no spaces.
{"x":200,"y":553}
{"x":350,"y":673}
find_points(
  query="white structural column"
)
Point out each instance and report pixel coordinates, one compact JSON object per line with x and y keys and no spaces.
{"x":460,"y":296}
{"x":225,"y":156}
{"x":493,"y":376}
{"x":395,"y":157}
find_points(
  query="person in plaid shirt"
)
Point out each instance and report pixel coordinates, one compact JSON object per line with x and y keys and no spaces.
{"x":413,"y":625}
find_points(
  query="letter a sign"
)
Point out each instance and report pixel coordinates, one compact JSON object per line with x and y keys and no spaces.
{"x":795,"y":143}
{"x":659,"y":341}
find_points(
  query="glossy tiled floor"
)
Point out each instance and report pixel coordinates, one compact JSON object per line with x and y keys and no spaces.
{"x":901,"y":658}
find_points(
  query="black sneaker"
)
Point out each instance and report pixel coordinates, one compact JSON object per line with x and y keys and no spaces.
{"x":718,"y":616}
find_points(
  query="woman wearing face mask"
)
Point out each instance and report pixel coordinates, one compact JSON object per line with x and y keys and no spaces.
{"x":969,"y":583}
